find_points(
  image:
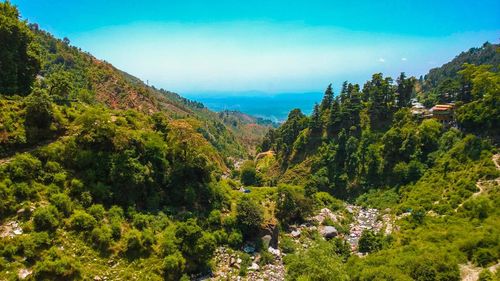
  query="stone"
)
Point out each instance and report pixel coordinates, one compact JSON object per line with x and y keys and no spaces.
{"x":273,"y":232}
{"x":266,"y":240}
{"x":295,"y":233}
{"x":254,"y":266}
{"x":274,"y":251}
{"x":329,"y":232}
{"x":23,"y":273}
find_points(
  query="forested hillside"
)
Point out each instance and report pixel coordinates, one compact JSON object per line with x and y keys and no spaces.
{"x":103,"y":177}
{"x":438,"y":181}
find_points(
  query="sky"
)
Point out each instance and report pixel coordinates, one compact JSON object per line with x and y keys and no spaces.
{"x":228,"y":46}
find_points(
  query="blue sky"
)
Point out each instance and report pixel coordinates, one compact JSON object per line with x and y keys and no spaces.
{"x":270,"y":46}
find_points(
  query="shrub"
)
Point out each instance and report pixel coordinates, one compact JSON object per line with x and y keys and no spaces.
{"x":115,"y":213}
{"x":62,"y":202}
{"x":287,"y":245}
{"x":249,"y":216}
{"x":235,"y":239}
{"x":173,"y":266}
{"x":248,"y":174}
{"x":55,"y":266}
{"x":33,"y":242}
{"x":370,"y":242}
{"x":292,"y":205}
{"x":316,"y":263}
{"x":266,"y":257}
{"x":484,"y":257}
{"x":46,"y":218}
{"x":133,"y":243}
{"x":97,"y":211}
{"x":82,"y":221}
{"x":102,"y":237}
{"x":116,"y":230}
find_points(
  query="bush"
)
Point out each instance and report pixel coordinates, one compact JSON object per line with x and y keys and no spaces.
{"x":316,"y":263}
{"x":291,"y":205}
{"x":287,"y":245}
{"x":115,"y":213}
{"x":265,"y":257}
{"x":97,"y":211}
{"x":102,"y":237}
{"x":133,"y":243}
{"x":173,"y":266}
{"x":486,"y":275}
{"x":46,"y":218}
{"x":32,"y":243}
{"x":82,"y":221}
{"x":484,"y":257}
{"x":370,"y":242}
{"x":62,"y":202}
{"x":55,"y":266}
{"x":249,"y":216}
{"x":248,"y":174}
{"x":235,"y":239}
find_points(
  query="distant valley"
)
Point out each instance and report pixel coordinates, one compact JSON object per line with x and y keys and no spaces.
{"x":274,"y":107}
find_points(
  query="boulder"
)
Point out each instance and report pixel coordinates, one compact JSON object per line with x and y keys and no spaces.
{"x":269,"y":234}
{"x":329,"y":232}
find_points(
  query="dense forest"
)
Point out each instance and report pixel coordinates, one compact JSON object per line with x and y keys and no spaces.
{"x":103,"y":177}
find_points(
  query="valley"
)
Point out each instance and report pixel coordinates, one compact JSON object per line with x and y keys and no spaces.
{"x":105,"y":177}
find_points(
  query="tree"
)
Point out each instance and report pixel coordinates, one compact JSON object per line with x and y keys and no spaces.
{"x":19,"y":62}
{"x":60,"y":84}
{"x":249,"y":216}
{"x":327,"y":99}
{"x":292,"y":205}
{"x":38,"y":110}
{"x":248,"y":174}
{"x":370,"y":242}
{"x":405,"y":90}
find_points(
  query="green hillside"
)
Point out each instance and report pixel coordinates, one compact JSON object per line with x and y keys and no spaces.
{"x":103,"y":177}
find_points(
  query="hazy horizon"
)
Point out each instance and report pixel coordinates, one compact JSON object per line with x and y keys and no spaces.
{"x":198,"y":47}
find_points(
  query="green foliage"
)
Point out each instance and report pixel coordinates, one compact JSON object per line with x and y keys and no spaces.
{"x":46,"y":218}
{"x":18,"y":55}
{"x":62,"y":202}
{"x":291,"y":205}
{"x":249,"y":215}
{"x":317,"y":263}
{"x":82,"y":221}
{"x":248,"y":174}
{"x":56,"y":266}
{"x":370,"y":242}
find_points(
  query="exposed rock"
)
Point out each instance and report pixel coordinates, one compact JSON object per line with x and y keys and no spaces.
{"x":273,"y":232}
{"x":10,"y":229}
{"x":266,"y":240}
{"x":274,"y":251}
{"x":24,"y":272}
{"x":325,"y":213}
{"x":328,"y":232}
{"x":254,"y":266}
{"x":295,"y":233}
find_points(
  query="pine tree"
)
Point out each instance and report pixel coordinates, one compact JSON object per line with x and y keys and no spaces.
{"x":327,"y":98}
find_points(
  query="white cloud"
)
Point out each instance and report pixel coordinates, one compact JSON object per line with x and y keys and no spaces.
{"x":404,"y":59}
{"x":382,"y":60}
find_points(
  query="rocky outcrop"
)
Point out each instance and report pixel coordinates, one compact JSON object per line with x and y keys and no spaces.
{"x":269,"y":236}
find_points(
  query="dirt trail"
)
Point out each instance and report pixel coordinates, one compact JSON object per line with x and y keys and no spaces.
{"x":485,"y":185}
